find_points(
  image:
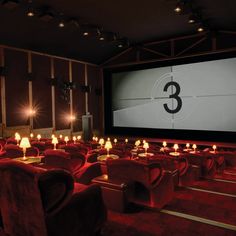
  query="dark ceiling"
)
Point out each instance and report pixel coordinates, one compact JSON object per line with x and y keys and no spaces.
{"x":138,"y":21}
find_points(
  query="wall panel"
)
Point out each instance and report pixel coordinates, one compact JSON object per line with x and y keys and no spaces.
{"x":62,"y":97}
{"x":41,"y":88}
{"x":95,"y":98}
{"x":17,"y":95}
{"x":78,"y":72}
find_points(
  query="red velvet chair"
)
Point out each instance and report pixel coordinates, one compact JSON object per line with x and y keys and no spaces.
{"x":47,"y":203}
{"x":62,"y":160}
{"x":150,"y":184}
{"x":13,"y":151}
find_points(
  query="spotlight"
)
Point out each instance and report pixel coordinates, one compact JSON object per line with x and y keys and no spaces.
{"x":192,"y":19}
{"x":30,"y":10}
{"x":179,"y":7}
{"x":200,"y":28}
{"x":123,"y":43}
{"x":61,"y":24}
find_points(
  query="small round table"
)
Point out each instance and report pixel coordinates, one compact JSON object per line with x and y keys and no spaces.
{"x":105,"y":157}
{"x":148,"y":154}
{"x":30,"y":160}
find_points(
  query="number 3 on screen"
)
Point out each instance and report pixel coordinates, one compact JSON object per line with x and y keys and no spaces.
{"x":174,"y":96}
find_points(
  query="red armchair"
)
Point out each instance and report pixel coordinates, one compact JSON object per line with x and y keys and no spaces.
{"x":150,"y":184}
{"x":47,"y":203}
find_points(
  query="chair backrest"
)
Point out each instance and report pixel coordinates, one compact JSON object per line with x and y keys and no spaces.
{"x":29,"y":194}
{"x":13,"y":151}
{"x":20,"y":200}
{"x":149,"y":174}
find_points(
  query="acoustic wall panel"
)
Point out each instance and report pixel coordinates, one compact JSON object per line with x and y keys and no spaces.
{"x":62,"y":94}
{"x":78,"y":73}
{"x":41,"y":89}
{"x":95,"y":98}
{"x":17,"y":96}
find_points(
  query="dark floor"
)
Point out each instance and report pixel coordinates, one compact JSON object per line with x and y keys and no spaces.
{"x":202,"y":201}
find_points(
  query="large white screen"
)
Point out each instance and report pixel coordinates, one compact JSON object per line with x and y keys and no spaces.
{"x":205,"y":101}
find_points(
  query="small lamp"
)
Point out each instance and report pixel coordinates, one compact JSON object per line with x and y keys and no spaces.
{"x":17,"y":138}
{"x":38,"y":137}
{"x":187,"y":145}
{"x":176,"y":147}
{"x":55,"y":142}
{"x":108,"y":146}
{"x":101,"y":142}
{"x":78,"y":138}
{"x":164,"y":144}
{"x":66,"y":139}
{"x":24,"y":144}
{"x":96,"y":139}
{"x":194,"y":147}
{"x":214,"y":148}
{"x":60,"y":136}
{"x":145,"y":146}
{"x":53,"y":136}
{"x":126,"y":141}
{"x":115,"y":141}
{"x":31,"y":135}
{"x":137,"y":143}
{"x":74,"y":139}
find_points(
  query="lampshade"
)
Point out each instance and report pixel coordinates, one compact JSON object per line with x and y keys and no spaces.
{"x":176,"y":146}
{"x":101,"y":141}
{"x":79,"y":137}
{"x":214,"y":147}
{"x":24,"y":143}
{"x":55,"y":140}
{"x":187,"y":145}
{"x":108,"y":145}
{"x":194,"y":146}
{"x":137,"y":143}
{"x":145,"y":145}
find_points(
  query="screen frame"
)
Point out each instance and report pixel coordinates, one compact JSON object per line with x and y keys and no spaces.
{"x":109,"y":129}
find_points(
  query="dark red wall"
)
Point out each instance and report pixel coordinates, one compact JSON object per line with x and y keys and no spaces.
{"x":62,"y":106}
{"x":17,"y":98}
{"x":42,"y":98}
{"x":95,"y":98}
{"x":78,"y":72}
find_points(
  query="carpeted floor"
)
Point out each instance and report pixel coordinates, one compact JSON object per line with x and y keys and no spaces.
{"x":146,"y":222}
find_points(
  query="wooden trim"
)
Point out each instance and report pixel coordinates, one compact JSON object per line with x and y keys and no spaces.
{"x":31,"y":120}
{"x":155,"y":52}
{"x":52,"y":72}
{"x":71,"y":95}
{"x":3,"y":89}
{"x":86,"y":94}
{"x":45,"y":54}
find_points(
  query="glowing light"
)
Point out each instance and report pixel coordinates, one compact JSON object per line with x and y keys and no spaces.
{"x":126,"y":140}
{"x":194,"y":147}
{"x":31,"y":112}
{"x":31,"y":135}
{"x":101,"y":142}
{"x":78,"y":137}
{"x":164,"y":144}
{"x":24,"y":144}
{"x":115,"y":141}
{"x":96,"y":139}
{"x":108,"y":146}
{"x":74,"y":139}
{"x":17,"y":137}
{"x":214,"y":148}
{"x":66,"y":139}
{"x":137,"y":143}
{"x":176,"y":147}
{"x":187,"y":145}
{"x":55,"y":142}
{"x":38,"y":137}
{"x":60,"y":136}
{"x":53,"y":136}
{"x":146,"y":146}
